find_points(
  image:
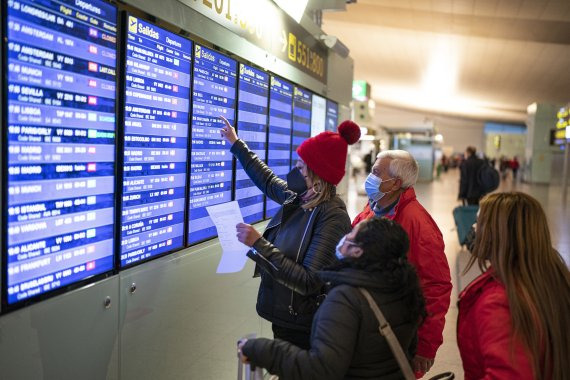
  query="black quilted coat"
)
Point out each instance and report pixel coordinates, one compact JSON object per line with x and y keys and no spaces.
{"x":295,"y":245}
{"x":345,"y":341}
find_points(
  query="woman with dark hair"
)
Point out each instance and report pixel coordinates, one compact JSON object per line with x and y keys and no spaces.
{"x":300,"y":239}
{"x":514,"y":319}
{"x":345,"y":341}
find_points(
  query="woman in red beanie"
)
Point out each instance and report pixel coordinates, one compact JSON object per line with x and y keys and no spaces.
{"x":302,"y":236}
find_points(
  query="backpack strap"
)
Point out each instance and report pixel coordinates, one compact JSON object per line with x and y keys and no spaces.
{"x":387,"y":332}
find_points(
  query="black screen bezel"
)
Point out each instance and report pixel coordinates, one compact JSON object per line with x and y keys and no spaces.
{"x":232,"y":180}
{"x":119,"y":197}
{"x":7,"y":307}
{"x":266,"y":134}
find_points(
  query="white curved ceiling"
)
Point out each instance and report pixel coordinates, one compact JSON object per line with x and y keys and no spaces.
{"x":484,"y":59}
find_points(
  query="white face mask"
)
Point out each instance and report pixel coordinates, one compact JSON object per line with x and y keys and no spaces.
{"x":337,"y":252}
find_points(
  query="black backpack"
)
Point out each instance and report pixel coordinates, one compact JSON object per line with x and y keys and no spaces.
{"x":487,"y":178}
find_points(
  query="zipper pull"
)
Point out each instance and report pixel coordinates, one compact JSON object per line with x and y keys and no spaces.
{"x":292,"y":311}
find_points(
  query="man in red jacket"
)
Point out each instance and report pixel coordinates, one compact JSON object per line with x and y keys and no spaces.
{"x":391,"y":194}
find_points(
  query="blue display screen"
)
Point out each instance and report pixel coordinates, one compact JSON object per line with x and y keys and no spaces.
{"x":214,"y":94}
{"x":318,"y":115}
{"x":157,"y":105}
{"x":252,"y":128}
{"x":61,"y":144}
{"x":332,"y":116}
{"x":280,"y":119}
{"x":301,"y":120}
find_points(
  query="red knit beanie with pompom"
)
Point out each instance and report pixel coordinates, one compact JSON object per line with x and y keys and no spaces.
{"x":325,"y":153}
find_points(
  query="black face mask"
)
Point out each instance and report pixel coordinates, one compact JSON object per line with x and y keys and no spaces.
{"x":296,"y":181}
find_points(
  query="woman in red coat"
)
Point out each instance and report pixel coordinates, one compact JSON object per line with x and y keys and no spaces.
{"x":514,"y":319}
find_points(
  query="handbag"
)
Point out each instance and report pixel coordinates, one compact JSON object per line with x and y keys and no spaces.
{"x":387,"y":332}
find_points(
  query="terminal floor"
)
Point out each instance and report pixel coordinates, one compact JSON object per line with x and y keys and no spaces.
{"x":203,"y":332}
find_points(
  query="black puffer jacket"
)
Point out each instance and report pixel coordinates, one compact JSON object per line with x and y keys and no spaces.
{"x":469,"y":187}
{"x":345,"y":341}
{"x":295,"y":245}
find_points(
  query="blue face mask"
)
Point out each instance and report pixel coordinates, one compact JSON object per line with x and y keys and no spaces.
{"x":372,"y":187}
{"x":338,"y":254}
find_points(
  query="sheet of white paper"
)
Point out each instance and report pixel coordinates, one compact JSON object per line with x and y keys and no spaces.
{"x":225,"y":217}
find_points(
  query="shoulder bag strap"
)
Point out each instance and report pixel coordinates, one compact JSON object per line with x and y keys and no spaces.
{"x":386,"y":332}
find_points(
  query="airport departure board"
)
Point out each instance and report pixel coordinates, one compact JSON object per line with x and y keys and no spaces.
{"x":318,"y":114}
{"x":301,"y":120}
{"x":214,"y":94}
{"x":279,"y":147}
{"x":332,"y":116}
{"x":157,"y":104}
{"x":252,"y":128}
{"x":61,"y":59}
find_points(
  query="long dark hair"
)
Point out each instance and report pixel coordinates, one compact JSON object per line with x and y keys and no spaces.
{"x":513,"y":237}
{"x":385,"y":245}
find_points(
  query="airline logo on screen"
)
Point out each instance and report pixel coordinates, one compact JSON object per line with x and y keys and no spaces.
{"x":207,"y":55}
{"x":136,"y":27}
{"x":133,"y":22}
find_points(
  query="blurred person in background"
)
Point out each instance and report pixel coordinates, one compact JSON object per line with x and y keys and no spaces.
{"x":514,"y":319}
{"x":503,"y":165}
{"x":445,"y":163}
{"x":368,"y":161}
{"x":514,"y":165}
{"x":469,"y":189}
{"x":390,"y":190}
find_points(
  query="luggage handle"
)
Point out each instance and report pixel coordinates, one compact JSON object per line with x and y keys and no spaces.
{"x":251,"y":372}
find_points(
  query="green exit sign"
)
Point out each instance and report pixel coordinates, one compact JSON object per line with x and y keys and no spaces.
{"x":360,"y":90}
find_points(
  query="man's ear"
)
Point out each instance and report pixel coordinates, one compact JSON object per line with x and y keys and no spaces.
{"x":398,"y":183}
{"x":356,"y":252}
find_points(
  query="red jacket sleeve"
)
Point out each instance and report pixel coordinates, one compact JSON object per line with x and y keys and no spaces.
{"x":493,"y":325}
{"x":365,"y":214}
{"x":428,"y":256}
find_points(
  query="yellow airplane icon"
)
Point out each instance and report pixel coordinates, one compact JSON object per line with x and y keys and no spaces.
{"x":133,"y":23}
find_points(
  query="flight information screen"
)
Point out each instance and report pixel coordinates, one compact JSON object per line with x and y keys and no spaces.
{"x":301,"y":120}
{"x":332,"y":116}
{"x":61,"y":144}
{"x":214,"y":94}
{"x":252,"y":128}
{"x":157,"y":103}
{"x":318,"y":115}
{"x":279,"y":148}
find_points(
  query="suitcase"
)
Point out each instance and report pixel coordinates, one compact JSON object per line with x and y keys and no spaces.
{"x":247,"y":371}
{"x":465,"y":217}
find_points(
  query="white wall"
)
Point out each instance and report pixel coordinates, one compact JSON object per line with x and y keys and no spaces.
{"x":457,"y":132}
{"x":511,"y":145}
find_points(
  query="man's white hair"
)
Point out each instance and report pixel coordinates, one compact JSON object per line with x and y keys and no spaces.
{"x":402,"y":165}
